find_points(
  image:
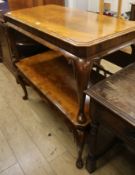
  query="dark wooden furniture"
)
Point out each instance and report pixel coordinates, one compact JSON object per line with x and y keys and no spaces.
{"x":0,"y":54}
{"x":121,"y":58}
{"x":58,"y":2}
{"x":17,"y":4}
{"x":82,"y":42}
{"x":25,"y":45}
{"x":113,"y":104}
{"x":132,"y":14}
{"x":3,"y":7}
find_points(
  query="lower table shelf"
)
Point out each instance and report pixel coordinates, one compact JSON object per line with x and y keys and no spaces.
{"x":51,"y":74}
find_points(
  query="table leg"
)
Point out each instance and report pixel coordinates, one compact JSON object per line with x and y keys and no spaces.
{"x":14,"y":59}
{"x":12,"y":43}
{"x":0,"y":54}
{"x":133,"y":51}
{"x":82,"y":70}
{"x":20,"y":80}
{"x":80,"y":136}
{"x":92,"y":139}
{"x":0,"y":43}
{"x":91,"y":158}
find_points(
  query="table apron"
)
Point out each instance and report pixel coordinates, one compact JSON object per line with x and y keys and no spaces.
{"x":82,"y":52}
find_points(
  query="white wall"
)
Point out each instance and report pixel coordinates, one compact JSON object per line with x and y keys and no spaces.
{"x":93,"y":5}
{"x":80,"y":4}
{"x":71,"y":3}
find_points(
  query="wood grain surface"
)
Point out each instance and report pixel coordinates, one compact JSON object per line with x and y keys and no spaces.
{"x":73,"y":26}
{"x":117,"y":93}
{"x":51,"y":74}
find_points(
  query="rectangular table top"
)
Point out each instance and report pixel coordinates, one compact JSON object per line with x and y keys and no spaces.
{"x":72,"y":29}
{"x":117,"y":93}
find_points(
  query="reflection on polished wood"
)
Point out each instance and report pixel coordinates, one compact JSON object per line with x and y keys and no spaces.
{"x":80,"y":28}
{"x":74,"y":27}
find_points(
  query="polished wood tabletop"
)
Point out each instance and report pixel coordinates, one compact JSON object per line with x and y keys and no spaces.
{"x":73,"y":27}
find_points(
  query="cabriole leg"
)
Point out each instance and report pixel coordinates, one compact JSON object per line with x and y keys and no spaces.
{"x":82,"y":70}
{"x":23,"y":85}
{"x":80,"y":140}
